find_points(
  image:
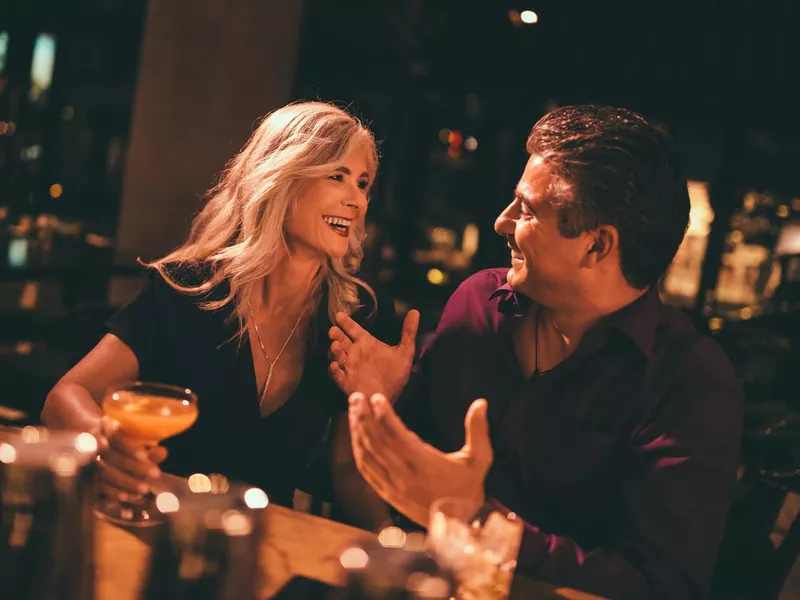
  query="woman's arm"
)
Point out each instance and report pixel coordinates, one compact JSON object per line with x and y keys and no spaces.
{"x":361,"y":505}
{"x":74,"y":403}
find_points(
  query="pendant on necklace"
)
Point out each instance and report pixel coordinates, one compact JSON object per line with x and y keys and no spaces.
{"x":266,"y":382}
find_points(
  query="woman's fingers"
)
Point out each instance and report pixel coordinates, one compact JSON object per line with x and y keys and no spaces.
{"x":106,"y":490}
{"x":353,"y":330}
{"x":128,"y":466}
{"x":338,"y":376}
{"x":116,"y":478}
{"x":338,"y":353}
{"x":158,"y":454}
{"x":124,"y":444}
{"x":136,"y":467}
{"x":341,"y":345}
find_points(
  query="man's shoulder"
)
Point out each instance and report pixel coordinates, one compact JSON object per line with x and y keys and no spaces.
{"x":695,"y":397}
{"x":480,"y":285}
{"x":678,"y":339}
{"x":471,"y":305}
{"x":696,"y":366}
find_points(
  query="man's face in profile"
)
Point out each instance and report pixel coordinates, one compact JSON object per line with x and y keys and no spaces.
{"x":543,"y":261}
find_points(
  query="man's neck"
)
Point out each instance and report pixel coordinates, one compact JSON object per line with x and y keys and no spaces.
{"x":573,"y":321}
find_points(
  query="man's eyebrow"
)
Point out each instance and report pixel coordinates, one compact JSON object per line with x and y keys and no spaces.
{"x":524,"y":195}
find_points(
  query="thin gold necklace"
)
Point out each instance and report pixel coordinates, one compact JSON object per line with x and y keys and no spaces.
{"x":270,"y":362}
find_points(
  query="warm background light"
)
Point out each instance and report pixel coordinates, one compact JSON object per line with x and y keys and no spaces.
{"x":436,"y":277}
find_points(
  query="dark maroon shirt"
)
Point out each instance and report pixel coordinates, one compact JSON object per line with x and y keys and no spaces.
{"x":621,"y":459}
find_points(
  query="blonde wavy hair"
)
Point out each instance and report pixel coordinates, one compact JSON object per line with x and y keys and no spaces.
{"x":240,"y":231}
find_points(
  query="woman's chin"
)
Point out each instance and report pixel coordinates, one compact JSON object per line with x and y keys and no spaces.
{"x":334,"y":245}
{"x":337,"y":253}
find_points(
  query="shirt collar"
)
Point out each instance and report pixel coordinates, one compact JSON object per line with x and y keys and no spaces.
{"x":511,"y":303}
{"x":638,"y":320}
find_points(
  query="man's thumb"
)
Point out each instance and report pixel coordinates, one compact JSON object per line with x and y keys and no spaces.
{"x":409,"y":334}
{"x":476,"y":425}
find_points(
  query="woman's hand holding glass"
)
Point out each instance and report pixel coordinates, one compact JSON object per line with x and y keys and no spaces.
{"x":137,"y":417}
{"x":127,"y":471}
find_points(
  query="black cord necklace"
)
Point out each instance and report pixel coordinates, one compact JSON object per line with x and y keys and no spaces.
{"x":536,"y":371}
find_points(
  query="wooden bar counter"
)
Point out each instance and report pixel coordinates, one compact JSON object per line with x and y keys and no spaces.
{"x":297,"y":544}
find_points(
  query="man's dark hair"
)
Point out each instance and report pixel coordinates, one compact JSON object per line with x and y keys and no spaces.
{"x":619,"y":170}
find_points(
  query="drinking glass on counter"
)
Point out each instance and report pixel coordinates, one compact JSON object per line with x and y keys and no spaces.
{"x":480,"y":550}
{"x":46,"y":521}
{"x":148,"y":413}
{"x":395,"y":566}
{"x":211,"y":545}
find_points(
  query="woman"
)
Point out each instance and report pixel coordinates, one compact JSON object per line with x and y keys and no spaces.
{"x":240,"y":313}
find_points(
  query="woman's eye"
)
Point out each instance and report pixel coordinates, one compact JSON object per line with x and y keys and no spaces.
{"x":363,"y":184}
{"x":337,"y":177}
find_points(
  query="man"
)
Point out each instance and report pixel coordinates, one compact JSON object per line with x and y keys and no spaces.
{"x":611,"y":425}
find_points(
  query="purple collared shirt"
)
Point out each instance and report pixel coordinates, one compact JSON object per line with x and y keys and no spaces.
{"x":621,"y":459}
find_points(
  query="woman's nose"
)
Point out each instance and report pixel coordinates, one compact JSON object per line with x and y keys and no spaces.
{"x":355,"y":200}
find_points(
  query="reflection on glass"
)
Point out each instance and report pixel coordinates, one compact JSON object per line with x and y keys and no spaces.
{"x":8,"y":127}
{"x":479,"y":549}
{"x":31,"y":152}
{"x":789,"y":240}
{"x":44,"y":56}
{"x":793,"y":270}
{"x":151,"y":413}
{"x":444,"y":248}
{"x":18,"y":252}
{"x":750,"y":272}
{"x":741,"y":270}
{"x":683,"y":278}
{"x":787,"y":251}
{"x":3,"y":50}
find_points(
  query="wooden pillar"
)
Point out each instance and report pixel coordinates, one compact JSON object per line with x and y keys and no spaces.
{"x":208,"y":71}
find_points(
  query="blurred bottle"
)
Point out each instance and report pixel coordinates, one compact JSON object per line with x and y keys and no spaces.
{"x":210,"y":545}
{"x":46,"y":519}
{"x":396,"y":566}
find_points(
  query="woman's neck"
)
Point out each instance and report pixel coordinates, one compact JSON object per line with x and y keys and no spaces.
{"x":287,"y":287}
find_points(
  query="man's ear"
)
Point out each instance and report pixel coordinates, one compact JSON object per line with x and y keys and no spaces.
{"x":601,"y":243}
